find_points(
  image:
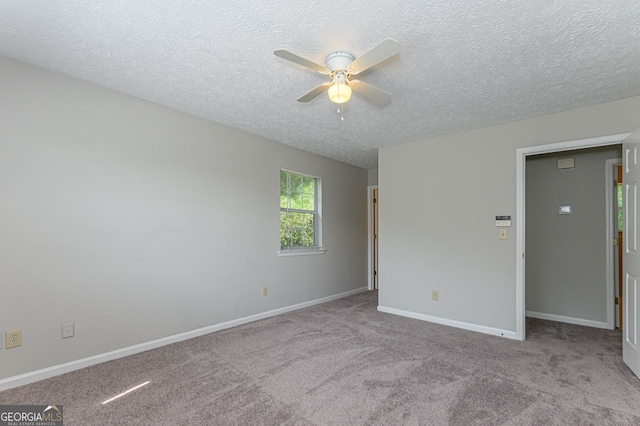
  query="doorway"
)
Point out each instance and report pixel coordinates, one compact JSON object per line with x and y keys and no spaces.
{"x":570,"y":254}
{"x":372,"y":222}
{"x":615,"y":204}
{"x":521,"y":156}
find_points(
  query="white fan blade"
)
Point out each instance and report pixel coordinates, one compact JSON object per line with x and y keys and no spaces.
{"x":378,"y":54}
{"x":300,"y":61}
{"x":378,"y":96}
{"x":315,"y":92}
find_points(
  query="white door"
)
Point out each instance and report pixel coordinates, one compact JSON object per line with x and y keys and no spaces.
{"x":631,"y":256}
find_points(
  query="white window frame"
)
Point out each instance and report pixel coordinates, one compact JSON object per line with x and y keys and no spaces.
{"x":317,"y":249}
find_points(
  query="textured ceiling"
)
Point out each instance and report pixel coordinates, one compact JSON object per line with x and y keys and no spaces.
{"x":463,"y":65}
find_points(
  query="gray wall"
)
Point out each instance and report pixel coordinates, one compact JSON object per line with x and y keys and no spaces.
{"x":566,"y":254}
{"x":441,"y":196}
{"x":139,"y":222}
{"x":373,"y":176}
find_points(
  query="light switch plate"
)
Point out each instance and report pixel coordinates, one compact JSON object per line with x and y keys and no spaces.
{"x":502,"y":234}
{"x":565,"y":210}
{"x":67,"y":330}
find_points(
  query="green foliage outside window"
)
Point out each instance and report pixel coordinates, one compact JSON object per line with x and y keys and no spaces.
{"x":297,"y":210}
{"x":619,"y":208}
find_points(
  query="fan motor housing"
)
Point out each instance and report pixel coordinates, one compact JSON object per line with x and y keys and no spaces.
{"x":339,"y":61}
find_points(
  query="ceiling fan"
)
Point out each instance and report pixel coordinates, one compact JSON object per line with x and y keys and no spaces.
{"x":341,"y":66}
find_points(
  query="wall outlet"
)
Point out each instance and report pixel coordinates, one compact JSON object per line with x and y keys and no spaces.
{"x":264,"y":290}
{"x":67,"y":330}
{"x":435,"y":295}
{"x":13,"y":339}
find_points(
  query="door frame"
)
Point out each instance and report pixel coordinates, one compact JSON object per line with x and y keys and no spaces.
{"x":521,"y":158}
{"x":370,"y":241}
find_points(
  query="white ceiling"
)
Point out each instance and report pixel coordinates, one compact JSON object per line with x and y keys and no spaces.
{"x":464,"y":64}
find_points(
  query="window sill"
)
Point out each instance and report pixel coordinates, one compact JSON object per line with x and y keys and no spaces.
{"x":300,"y":252}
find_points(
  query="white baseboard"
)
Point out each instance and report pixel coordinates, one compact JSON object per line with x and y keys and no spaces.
{"x":56,"y":370}
{"x":452,"y":323}
{"x":570,"y":320}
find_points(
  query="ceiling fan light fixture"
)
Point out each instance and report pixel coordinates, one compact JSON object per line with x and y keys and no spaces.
{"x":341,"y":66}
{"x":339,"y":92}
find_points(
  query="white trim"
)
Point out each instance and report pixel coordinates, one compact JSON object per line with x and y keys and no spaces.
{"x":576,"y":144}
{"x":520,"y":210}
{"x":56,"y":370}
{"x":297,"y":252}
{"x":521,"y":157}
{"x":452,"y":323}
{"x":610,"y":223}
{"x":569,"y":320}
{"x":370,"y":189}
{"x":300,"y":173}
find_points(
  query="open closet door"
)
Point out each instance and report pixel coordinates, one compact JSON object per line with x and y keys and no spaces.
{"x":631,"y":256}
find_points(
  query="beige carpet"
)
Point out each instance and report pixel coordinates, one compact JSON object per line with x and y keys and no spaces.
{"x":344,"y":363}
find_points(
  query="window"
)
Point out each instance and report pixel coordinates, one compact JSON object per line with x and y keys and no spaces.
{"x":300,"y":217}
{"x":619,"y":204}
